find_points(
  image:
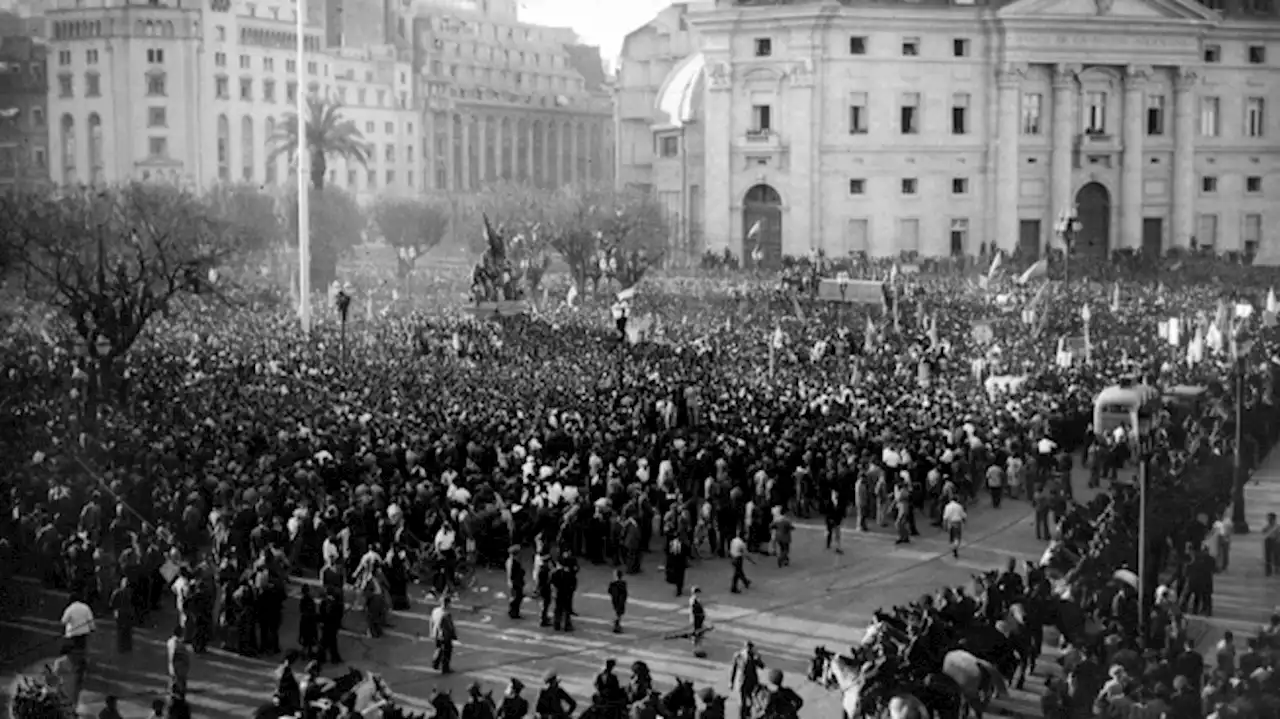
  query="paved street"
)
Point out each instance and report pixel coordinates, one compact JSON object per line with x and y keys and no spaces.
{"x":823,"y":598}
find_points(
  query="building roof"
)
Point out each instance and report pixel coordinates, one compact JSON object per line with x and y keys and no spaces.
{"x":586,"y":60}
{"x":680,"y":98}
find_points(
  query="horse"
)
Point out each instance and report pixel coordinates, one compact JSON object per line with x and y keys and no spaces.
{"x":844,"y":672}
{"x":978,"y":679}
{"x":1024,"y":627}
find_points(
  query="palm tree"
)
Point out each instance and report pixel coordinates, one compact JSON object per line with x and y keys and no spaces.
{"x":328,"y":133}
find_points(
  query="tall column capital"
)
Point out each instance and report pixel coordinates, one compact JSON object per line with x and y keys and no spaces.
{"x":1135,"y":76}
{"x":1011,"y":74}
{"x":1185,"y":78}
{"x":1064,"y":75}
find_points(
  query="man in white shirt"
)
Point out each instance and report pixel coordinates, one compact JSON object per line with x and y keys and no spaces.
{"x":737,"y":556}
{"x":77,"y":623}
{"x":953,"y":518}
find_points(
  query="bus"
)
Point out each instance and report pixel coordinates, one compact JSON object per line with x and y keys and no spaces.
{"x":1132,"y":406}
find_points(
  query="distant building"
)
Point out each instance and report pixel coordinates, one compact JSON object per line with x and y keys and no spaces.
{"x":657,"y":112}
{"x":194,"y":90}
{"x":933,"y":127}
{"x":24,"y":131}
{"x":508,"y":100}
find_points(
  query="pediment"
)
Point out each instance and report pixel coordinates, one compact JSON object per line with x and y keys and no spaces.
{"x":1112,"y":9}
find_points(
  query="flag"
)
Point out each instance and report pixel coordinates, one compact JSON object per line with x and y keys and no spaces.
{"x":1039,"y":269}
{"x":627,"y":295}
{"x":754,"y":232}
{"x":869,"y":341}
{"x":932,"y":332}
{"x":995,"y":264}
{"x":368,"y":307}
{"x":1175,"y":331}
{"x":571,"y":296}
{"x":795,"y":304}
{"x":778,"y":338}
{"x":9,"y":112}
{"x":1115,"y":298}
{"x":1272,"y":306}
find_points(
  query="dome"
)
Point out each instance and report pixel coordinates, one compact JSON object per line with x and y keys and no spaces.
{"x":680,"y":97}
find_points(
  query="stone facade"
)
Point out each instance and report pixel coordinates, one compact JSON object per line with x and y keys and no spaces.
{"x":935,"y":127}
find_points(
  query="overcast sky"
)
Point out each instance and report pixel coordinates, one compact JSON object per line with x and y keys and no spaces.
{"x":598,"y":22}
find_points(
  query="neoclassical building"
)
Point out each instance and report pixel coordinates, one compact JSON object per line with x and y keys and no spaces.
{"x":933,"y":127}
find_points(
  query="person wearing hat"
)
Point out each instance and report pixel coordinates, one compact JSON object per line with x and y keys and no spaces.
{"x":542,"y":571}
{"x":563,"y":580}
{"x":553,"y":701}
{"x":710,"y":705}
{"x":698,"y":621}
{"x":479,"y":704}
{"x":744,"y":675}
{"x":515,"y":581}
{"x":618,"y":594}
{"x":513,"y":705}
{"x":444,"y":634}
{"x":608,"y":690}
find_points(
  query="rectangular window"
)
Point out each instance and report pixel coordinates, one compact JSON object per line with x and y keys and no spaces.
{"x":351,"y":179}
{"x":391,"y":177}
{"x":959,"y":236}
{"x":960,"y":113}
{"x":390,"y":127}
{"x":909,"y":185}
{"x":1207,"y":236}
{"x":1252,"y":233}
{"x":668,"y":146}
{"x":157,"y":117}
{"x":763,"y":46}
{"x":221,"y":87}
{"x":761,"y":119}
{"x":1209,"y":117}
{"x":155,"y":56}
{"x":290,"y":65}
{"x":1253,"y":185}
{"x":910,"y":46}
{"x":909,"y":113}
{"x":389,"y":153}
{"x":64,"y":85}
{"x":158,"y":146}
{"x":313,"y":69}
{"x":1213,"y":54}
{"x":1257,"y":54}
{"x":38,"y":157}
{"x":960,"y":47}
{"x":369,"y":127}
{"x":92,"y":84}
{"x":1208,"y":184}
{"x":91,"y":57}
{"x":371,"y":179}
{"x":220,"y":59}
{"x":857,"y":186}
{"x":1155,"y":115}
{"x":291,"y":91}
{"x":155,"y":84}
{"x":408,"y":153}
{"x":858,"y":124}
{"x":64,"y":57}
{"x":959,"y":185}
{"x":268,"y":64}
{"x":1255,"y":117}
{"x":269,"y":90}
{"x":858,"y":45}
{"x":244,"y":62}
{"x":1095,"y":120}
{"x":246,"y":88}
{"x":1032,"y":103}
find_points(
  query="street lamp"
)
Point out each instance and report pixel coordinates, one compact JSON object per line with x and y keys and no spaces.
{"x":304,"y":199}
{"x":1239,"y":524}
{"x":1067,"y":227}
{"x":342,"y":301}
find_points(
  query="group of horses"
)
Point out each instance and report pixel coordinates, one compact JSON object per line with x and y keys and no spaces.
{"x":947,"y":656}
{"x":373,"y":699}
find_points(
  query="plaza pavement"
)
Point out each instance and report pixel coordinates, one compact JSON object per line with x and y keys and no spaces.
{"x":821,"y":599}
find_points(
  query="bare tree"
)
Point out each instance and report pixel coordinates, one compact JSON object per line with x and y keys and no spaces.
{"x":413,"y":227}
{"x":110,"y":259}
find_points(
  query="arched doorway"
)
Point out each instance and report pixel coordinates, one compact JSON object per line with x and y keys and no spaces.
{"x":1093,"y":208}
{"x":762,"y":226}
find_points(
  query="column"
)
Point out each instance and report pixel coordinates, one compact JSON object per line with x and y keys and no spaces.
{"x":717,"y":194}
{"x":798,"y":119}
{"x":1135,"y":83}
{"x":1184,"y":157}
{"x":465,"y":185}
{"x":1064,"y":138}
{"x":529,"y":175}
{"x":574,"y":149}
{"x":1008,"y":128}
{"x":451,"y":157}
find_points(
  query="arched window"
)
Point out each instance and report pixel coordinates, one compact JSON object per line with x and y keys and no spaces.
{"x":247,"y":148}
{"x":168,"y":29}
{"x":268,"y":132}
{"x":96,"y":165}
{"x":68,"y":143}
{"x":224,"y":148}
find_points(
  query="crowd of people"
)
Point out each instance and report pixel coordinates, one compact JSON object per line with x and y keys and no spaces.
{"x":424,"y":444}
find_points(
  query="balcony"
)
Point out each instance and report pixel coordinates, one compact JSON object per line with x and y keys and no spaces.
{"x":1096,"y":139}
{"x":765,"y":139}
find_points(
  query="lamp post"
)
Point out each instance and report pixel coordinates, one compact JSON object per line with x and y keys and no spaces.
{"x":1239,"y":525}
{"x":1142,"y":540}
{"x":1086,"y":314}
{"x":342,"y":301}
{"x":843,"y":282}
{"x":1067,"y":227}
{"x":303,"y":181}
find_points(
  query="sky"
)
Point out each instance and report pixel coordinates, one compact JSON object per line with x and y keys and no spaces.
{"x":597,"y":22}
